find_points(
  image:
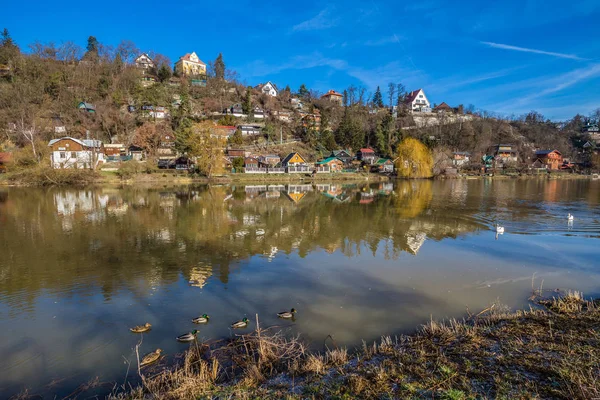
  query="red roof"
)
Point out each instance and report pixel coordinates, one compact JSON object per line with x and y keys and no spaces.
{"x":5,"y":157}
{"x":443,"y":106}
{"x":366,"y":151}
{"x":412,"y":95}
{"x":332,"y":93}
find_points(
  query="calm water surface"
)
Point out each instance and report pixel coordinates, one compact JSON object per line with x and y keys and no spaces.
{"x":79,"y":267}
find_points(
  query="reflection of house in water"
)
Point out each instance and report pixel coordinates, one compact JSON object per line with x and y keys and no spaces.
{"x":84,"y":203}
{"x":199,"y":275}
{"x":297,"y":192}
{"x":249,"y":219}
{"x":367,"y":197}
{"x":386,"y":188}
{"x":116,"y":206}
{"x":271,"y":255}
{"x":414,"y":241}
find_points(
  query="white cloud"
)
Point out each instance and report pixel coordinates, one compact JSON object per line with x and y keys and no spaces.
{"x":526,"y":50}
{"x":322,"y":20}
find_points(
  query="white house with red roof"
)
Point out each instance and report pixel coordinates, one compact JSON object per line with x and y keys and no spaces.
{"x":334,"y":97}
{"x":190,"y":65}
{"x":416,"y":101}
{"x":268,"y":88}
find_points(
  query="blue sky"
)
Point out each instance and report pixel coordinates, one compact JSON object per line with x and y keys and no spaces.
{"x":508,"y":57}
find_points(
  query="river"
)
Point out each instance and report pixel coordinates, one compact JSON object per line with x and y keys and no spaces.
{"x":78,"y":267}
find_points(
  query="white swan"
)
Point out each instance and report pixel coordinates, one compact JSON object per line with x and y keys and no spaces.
{"x":570,"y":217}
{"x":499,"y":229}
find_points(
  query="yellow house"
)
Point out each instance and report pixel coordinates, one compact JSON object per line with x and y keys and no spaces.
{"x":190,"y":65}
{"x":293,"y":159}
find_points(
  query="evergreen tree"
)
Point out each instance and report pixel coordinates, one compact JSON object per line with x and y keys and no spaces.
{"x":345,"y":98}
{"x":237,"y":138}
{"x":247,"y":105}
{"x":118,"y":62}
{"x":378,"y":98}
{"x":303,"y":91}
{"x":8,"y":49}
{"x":219,"y":67}
{"x":92,"y":48}
{"x":380,"y":139}
{"x":164,"y":73}
{"x":287,"y":89}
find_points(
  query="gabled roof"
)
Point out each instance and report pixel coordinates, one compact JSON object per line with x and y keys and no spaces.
{"x":328,"y":160}
{"x":144,"y":55}
{"x":262,"y":85}
{"x":412,"y":96}
{"x":290,"y":156}
{"x":336,"y":153}
{"x":546,"y":152}
{"x":462,"y":153}
{"x":87,"y":106}
{"x":5,"y":157}
{"x":367,"y":150}
{"x":382,"y":161}
{"x":84,"y":142}
{"x":442,"y":106}
{"x":186,"y":57}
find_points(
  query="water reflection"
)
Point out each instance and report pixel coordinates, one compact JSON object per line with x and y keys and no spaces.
{"x":87,"y":264}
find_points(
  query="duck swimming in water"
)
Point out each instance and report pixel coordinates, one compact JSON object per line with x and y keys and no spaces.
{"x":141,"y":328}
{"x":287,"y":314}
{"x":150,"y":357}
{"x":201,"y":320}
{"x":187,"y":337}
{"x":240,"y":324}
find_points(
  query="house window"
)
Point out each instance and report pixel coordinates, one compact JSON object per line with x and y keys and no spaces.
{"x":73,"y":154}
{"x":63,"y":154}
{"x":420,"y":96}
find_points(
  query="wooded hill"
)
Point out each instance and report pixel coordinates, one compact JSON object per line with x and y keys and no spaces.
{"x":41,"y":88}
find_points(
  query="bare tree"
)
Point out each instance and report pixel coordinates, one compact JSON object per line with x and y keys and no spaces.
{"x":29,"y":132}
{"x":391,"y":94}
{"x":128,"y":51}
{"x":69,"y":52}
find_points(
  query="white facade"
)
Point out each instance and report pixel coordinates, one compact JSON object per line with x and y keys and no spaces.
{"x":419,"y":102}
{"x":144,"y":61}
{"x":270,"y":89}
{"x":63,"y":157}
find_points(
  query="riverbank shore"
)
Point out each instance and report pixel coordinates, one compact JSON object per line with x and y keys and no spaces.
{"x":86,"y":177}
{"x":550,"y":351}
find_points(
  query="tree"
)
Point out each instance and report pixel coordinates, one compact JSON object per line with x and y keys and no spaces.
{"x":128,"y":51}
{"x":378,"y":98}
{"x":247,"y":105}
{"x":164,"y":73}
{"x":219,"y":67}
{"x":414,"y":159}
{"x":206,"y":150}
{"x":92,"y":49}
{"x":303,"y":91}
{"x":391,"y":94}
{"x":345,"y":98}
{"x":287,"y":89}
{"x":237,"y":138}
{"x":401,"y":90}
{"x":148,"y":137}
{"x":8,"y":49}
{"x":380,"y":139}
{"x":118,"y":62}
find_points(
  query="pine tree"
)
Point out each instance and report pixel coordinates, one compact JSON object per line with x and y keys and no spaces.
{"x":8,"y":49}
{"x":92,"y":48}
{"x":118,"y":62}
{"x":378,"y":98}
{"x":164,"y":73}
{"x":303,"y":91}
{"x":380,"y":141}
{"x":345,"y":98}
{"x":247,"y":105}
{"x":287,"y":89}
{"x":219,"y":67}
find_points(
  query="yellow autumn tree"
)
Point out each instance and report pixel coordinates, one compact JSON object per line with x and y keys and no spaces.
{"x":414,"y":159}
{"x":205,"y":148}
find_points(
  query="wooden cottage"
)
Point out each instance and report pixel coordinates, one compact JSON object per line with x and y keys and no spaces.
{"x":330,"y":164}
{"x":68,"y":152}
{"x":551,"y":159}
{"x":366,"y":155}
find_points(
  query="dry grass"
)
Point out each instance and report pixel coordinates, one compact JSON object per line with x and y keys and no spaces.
{"x":535,"y":354}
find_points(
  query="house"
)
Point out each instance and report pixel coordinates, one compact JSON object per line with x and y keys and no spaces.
{"x":190,"y":65}
{"x":269,"y":160}
{"x":461,"y":158}
{"x":504,"y":154}
{"x":258,"y":112}
{"x":148,"y":80}
{"x":297,"y":103}
{"x":416,"y":101}
{"x":268,"y":88}
{"x":136,"y":152}
{"x":383,"y":165}
{"x":59,"y":126}
{"x":311,"y":120}
{"x":343,"y":155}
{"x":284,"y":115}
{"x":87,"y":107}
{"x":443,"y":108}
{"x":251,"y":162}
{"x":223,"y":131}
{"x":330,"y":164}
{"x":114,"y":150}
{"x":249,"y":130}
{"x":293,"y":160}
{"x":234,"y":153}
{"x":68,"y":152}
{"x":591,"y":128}
{"x":366,"y":155}
{"x":5,"y":159}
{"x":144,"y":62}
{"x":334,"y":97}
{"x":236,"y":110}
{"x":551,"y":159}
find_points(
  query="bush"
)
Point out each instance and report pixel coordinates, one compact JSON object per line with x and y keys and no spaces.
{"x":128,"y":169}
{"x":47,"y":176}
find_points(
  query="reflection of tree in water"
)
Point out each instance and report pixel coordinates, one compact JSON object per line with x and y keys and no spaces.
{"x":140,"y":238}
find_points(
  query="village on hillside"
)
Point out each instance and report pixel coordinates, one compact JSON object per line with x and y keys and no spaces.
{"x":140,"y":110}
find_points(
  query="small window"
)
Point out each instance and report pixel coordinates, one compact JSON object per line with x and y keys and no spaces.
{"x":420,"y":96}
{"x":63,"y":154}
{"x":73,"y":154}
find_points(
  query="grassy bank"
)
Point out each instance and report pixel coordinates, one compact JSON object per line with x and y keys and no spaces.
{"x":547,"y":352}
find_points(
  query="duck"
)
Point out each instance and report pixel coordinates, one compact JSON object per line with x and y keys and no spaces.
{"x":240,"y":324}
{"x":150,"y":357}
{"x":499,"y":229}
{"x":287,"y":314}
{"x":141,"y":328}
{"x":570,"y":217}
{"x":187,"y":337}
{"x":201,"y":320}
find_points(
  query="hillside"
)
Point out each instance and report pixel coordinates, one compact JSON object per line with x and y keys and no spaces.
{"x":41,"y":90}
